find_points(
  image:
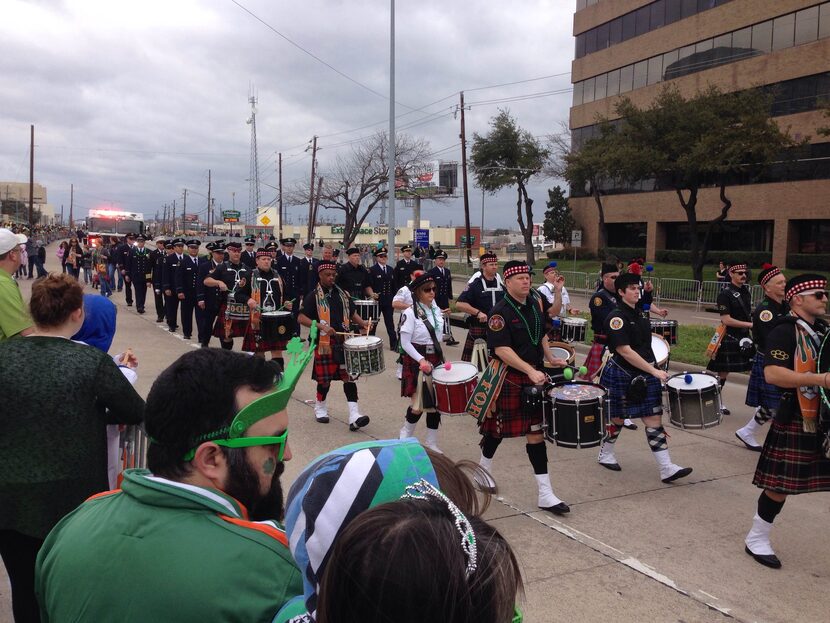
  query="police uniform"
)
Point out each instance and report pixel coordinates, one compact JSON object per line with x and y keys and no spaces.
{"x":140,"y":270}
{"x":234,"y":276}
{"x":290,"y":269}
{"x":443,"y":283}
{"x":208,"y":296}
{"x":482,"y":294}
{"x":122,"y":253}
{"x":735,"y":301}
{"x":168,"y":284}
{"x":382,"y":281}
{"x":187,"y":278}
{"x":404,"y":269}
{"x":157,"y":257}
{"x":248,"y":257}
{"x":308,"y":271}
{"x":353,"y":279}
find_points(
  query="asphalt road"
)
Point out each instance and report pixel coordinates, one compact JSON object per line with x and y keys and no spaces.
{"x":632,"y":548}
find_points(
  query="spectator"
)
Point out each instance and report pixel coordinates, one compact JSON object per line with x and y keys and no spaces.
{"x":86,"y":263}
{"x":14,"y":319}
{"x":53,"y":449}
{"x":31,"y":254}
{"x":100,"y":261}
{"x":61,"y":253}
{"x":40,"y":259}
{"x":112,"y":264}
{"x":22,"y":270}
{"x":74,"y":258}
{"x":723,"y":273}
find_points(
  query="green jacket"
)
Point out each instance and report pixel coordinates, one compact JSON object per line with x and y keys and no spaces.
{"x":160,"y":551}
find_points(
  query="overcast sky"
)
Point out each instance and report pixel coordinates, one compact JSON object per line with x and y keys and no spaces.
{"x":134,"y":101}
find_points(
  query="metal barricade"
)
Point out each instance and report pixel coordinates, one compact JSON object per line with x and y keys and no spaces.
{"x":133,"y":448}
{"x":709,"y":291}
{"x":756,"y":295}
{"x":680,"y":290}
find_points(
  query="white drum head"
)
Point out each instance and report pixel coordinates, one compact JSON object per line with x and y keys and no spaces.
{"x":460,"y":372}
{"x":577,"y":322}
{"x":660,"y":348}
{"x":363,"y":341}
{"x":276,"y":314}
{"x":560,"y":353}
{"x":577,"y":391}
{"x":699,"y":381}
{"x":369,"y":302}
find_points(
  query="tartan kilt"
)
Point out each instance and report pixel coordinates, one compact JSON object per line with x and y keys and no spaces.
{"x":473,"y":333}
{"x":238,"y":327}
{"x":593,"y":361}
{"x":511,"y":418}
{"x":616,"y":381}
{"x":759,"y":393}
{"x":269,"y":340}
{"x":409,"y":380}
{"x":729,"y":358}
{"x":326,"y":369}
{"x":792,"y":461}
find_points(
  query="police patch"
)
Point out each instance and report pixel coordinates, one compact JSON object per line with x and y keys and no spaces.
{"x":496,"y":323}
{"x":597,"y":301}
{"x":616,"y":323}
{"x":780,"y":355}
{"x":765,"y":315}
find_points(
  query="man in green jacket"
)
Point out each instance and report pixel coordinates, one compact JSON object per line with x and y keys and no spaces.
{"x":195,"y":537}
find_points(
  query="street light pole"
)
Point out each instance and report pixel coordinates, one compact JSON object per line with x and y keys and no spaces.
{"x":390,"y":237}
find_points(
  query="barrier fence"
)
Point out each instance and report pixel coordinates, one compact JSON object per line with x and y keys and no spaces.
{"x":133,"y":448}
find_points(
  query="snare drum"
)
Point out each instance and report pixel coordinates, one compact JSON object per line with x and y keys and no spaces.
{"x":368,"y":310}
{"x":277,"y":324}
{"x":665,"y":328}
{"x":454,"y":387}
{"x":238,"y":311}
{"x":563,"y":350}
{"x":695,"y":404}
{"x":661,"y":350}
{"x":575,"y":415}
{"x":574,"y":329}
{"x":364,"y":355}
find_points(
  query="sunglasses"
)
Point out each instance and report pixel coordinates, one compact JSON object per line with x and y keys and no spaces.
{"x":742,"y":273}
{"x":428,"y":289}
{"x":820,"y":295}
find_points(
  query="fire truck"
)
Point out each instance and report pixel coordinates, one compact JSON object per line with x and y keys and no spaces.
{"x":104,"y":223}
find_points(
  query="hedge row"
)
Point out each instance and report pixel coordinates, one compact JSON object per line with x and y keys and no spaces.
{"x":809,"y":261}
{"x":752,"y":258}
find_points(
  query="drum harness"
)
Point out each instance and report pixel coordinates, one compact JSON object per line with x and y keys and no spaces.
{"x":228,"y":322}
{"x":426,"y":393}
{"x":256,"y":294}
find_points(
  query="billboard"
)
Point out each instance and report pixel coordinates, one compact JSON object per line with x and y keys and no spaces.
{"x":427,"y":179}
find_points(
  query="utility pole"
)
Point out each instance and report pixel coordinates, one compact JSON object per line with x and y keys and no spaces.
{"x":390,"y":235}
{"x":174,"y":217}
{"x":463,"y":137}
{"x":208,"y":203}
{"x":32,"y":178}
{"x":184,"y":214}
{"x":311,"y":188}
{"x":212,"y":211}
{"x":71,"y":205}
{"x":316,"y":203}
{"x":279,"y":175}
{"x":61,"y":215}
{"x":165,"y":218}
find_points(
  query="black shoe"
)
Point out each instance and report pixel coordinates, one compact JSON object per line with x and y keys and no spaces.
{"x":725,"y":411}
{"x":360,"y":422}
{"x":749,"y":447}
{"x":118,"y":290}
{"x":681,"y":473}
{"x":558,"y":509}
{"x":186,"y":337}
{"x":160,"y":319}
{"x":129,"y":304}
{"x":453,"y":342}
{"x":171,"y":329}
{"x":768,"y":560}
{"x":140,"y":311}
{"x":631,"y":426}
{"x":325,"y":420}
{"x":614,"y":467}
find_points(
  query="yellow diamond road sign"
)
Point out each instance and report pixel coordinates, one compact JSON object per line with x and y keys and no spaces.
{"x":265,"y":220}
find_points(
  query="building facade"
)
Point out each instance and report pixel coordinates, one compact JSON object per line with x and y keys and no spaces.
{"x":633,"y":48}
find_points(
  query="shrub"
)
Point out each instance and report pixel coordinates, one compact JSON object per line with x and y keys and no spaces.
{"x":752,"y":258}
{"x":622,"y":253}
{"x":568,"y":253}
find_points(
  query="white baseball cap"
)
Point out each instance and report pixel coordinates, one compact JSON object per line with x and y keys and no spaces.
{"x":9,"y":240}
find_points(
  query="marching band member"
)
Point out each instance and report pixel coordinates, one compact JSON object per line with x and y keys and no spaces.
{"x":353,"y":277}
{"x":553,"y":289}
{"x":443,"y":287}
{"x":478,"y":299}
{"x":760,"y":394}
{"x":331,"y":308}
{"x":796,"y":454}
{"x":382,"y":287}
{"x":633,"y":381}
{"x":139,"y":271}
{"x":420,"y":327}
{"x":265,"y":292}
{"x":229,"y":276}
{"x":308,"y":269}
{"x":515,"y":334}
{"x":734,"y":306}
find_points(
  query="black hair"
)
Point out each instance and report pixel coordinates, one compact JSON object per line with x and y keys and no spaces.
{"x":194,"y":396}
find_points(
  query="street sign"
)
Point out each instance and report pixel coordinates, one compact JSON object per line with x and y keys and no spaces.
{"x":231,"y":216}
{"x":576,"y":238}
{"x":422,"y":238}
{"x":464,"y":239}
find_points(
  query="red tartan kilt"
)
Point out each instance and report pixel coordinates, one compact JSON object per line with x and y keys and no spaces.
{"x":326,"y":369}
{"x":238,"y":327}
{"x":511,"y":418}
{"x":409,"y":380}
{"x":250,"y":344}
{"x":593,"y":361}
{"x":473,"y":333}
{"x":792,"y":461}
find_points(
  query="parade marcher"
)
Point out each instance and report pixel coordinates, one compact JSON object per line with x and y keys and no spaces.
{"x":331,"y":307}
{"x":187,"y":276}
{"x":139,"y":271}
{"x":516,"y":337}
{"x":760,"y":394}
{"x":405,"y":266}
{"x":796,"y":454}
{"x":290,"y":269}
{"x":478,"y":299}
{"x":14,"y":318}
{"x":207,"y":297}
{"x":208,"y":506}
{"x":168,"y":283}
{"x":382,"y":284}
{"x":633,"y":380}
{"x":308,"y":270}
{"x":646,"y":290}
{"x":264,"y":292}
{"x":249,"y":255}
{"x":158,"y":255}
{"x":420,"y":330}
{"x":443,"y":285}
{"x":553,"y":290}
{"x":229,"y":276}
{"x":353,"y":277}
{"x":123,"y":255}
{"x":734,"y":305}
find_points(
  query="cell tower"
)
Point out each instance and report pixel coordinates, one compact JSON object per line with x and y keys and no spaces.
{"x":253,"y":189}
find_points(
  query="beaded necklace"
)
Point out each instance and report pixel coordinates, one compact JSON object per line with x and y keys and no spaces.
{"x":536,"y":335}
{"x":432,"y":313}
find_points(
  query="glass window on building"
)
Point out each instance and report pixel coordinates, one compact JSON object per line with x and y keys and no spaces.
{"x":655,"y":69}
{"x":783,"y":32}
{"x":806,"y":25}
{"x":613,"y":83}
{"x":640,"y":74}
{"x":629,"y":26}
{"x":726,"y":236}
{"x":688,"y":8}
{"x":626,"y":235}
{"x":742,"y":43}
{"x":591,"y":41}
{"x":762,"y":37}
{"x":580,"y":45}
{"x":641,"y":20}
{"x":813,"y":236}
{"x":615,"y":31}
{"x":704,"y":46}
{"x":824,"y":21}
{"x":673,"y":11}
{"x":577,"y":93}
{"x":657,"y":14}
{"x":600,"y":83}
{"x":669,"y":60}
{"x":602,"y":36}
{"x":588,"y":91}
{"x":626,"y":78}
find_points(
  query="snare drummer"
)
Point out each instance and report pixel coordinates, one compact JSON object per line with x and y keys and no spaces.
{"x":633,"y":380}
{"x":478,"y":298}
{"x":516,"y":335}
{"x":331,"y":307}
{"x":420,"y":326}
{"x":229,"y":276}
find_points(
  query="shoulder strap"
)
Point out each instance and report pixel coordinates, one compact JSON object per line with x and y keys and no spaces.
{"x":419,"y":312}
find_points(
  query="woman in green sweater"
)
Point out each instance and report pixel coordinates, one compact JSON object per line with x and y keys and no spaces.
{"x":56,"y":398}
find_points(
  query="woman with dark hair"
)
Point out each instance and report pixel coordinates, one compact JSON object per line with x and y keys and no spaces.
{"x":424,"y":560}
{"x":74,"y":258}
{"x":61,"y":253}
{"x":58,"y":396}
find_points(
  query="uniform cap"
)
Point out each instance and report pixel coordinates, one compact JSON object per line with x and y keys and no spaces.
{"x":234,"y":244}
{"x":421,"y":279}
{"x":380,"y":252}
{"x":516,"y":267}
{"x":442,"y":254}
{"x":352,"y":250}
{"x":326,"y":265}
{"x":250,"y":240}
{"x":308,"y":246}
{"x":488,"y":258}
{"x":177,"y":241}
{"x":768,"y":271}
{"x":803,"y":283}
{"x":194,"y":243}
{"x":406,"y":247}
{"x":608,"y":268}
{"x":625,"y":280}
{"x":289,"y":241}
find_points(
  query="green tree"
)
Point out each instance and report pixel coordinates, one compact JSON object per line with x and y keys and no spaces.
{"x":509,"y":156}
{"x":559,"y":221}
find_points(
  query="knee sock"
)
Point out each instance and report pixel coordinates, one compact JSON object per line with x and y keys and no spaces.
{"x":433,"y":419}
{"x":768,"y":508}
{"x":721,"y":383}
{"x":488,"y":446}
{"x":762,"y":415}
{"x":612,"y":431}
{"x":411,"y":416}
{"x":656,"y":438}
{"x":322,"y":392}
{"x":350,"y":389}
{"x":227,"y":345}
{"x":538,"y":455}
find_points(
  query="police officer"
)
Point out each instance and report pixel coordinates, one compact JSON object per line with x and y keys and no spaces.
{"x":207,"y":298}
{"x":139,"y":271}
{"x":122,"y":254}
{"x":290,"y":269}
{"x":633,"y":381}
{"x":308,"y":270}
{"x":734,"y":305}
{"x":405,"y":266}
{"x":478,"y":298}
{"x":249,"y":255}
{"x":187,"y":277}
{"x":157,"y":256}
{"x":382,"y":287}
{"x":760,"y":394}
{"x":353,"y":277}
{"x":443,"y":284}
{"x":168,"y":283}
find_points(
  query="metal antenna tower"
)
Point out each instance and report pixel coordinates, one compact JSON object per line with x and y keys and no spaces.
{"x":253,"y":180}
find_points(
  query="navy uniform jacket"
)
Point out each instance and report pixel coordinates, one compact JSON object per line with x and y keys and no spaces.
{"x":157,"y":258}
{"x":763,"y":319}
{"x":290,"y":272}
{"x":382,"y":280}
{"x":482,"y":294}
{"x":603,"y":302}
{"x":208,"y":294}
{"x":187,"y":276}
{"x":403,"y":270}
{"x":168,"y":272}
{"x":353,"y":280}
{"x":249,"y":259}
{"x":122,"y":255}
{"x":443,"y":286}
{"x":309,"y":275}
{"x":140,"y":264}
